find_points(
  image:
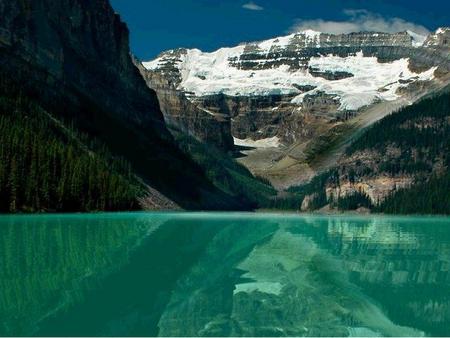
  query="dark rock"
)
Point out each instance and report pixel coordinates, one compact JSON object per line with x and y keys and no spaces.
{"x":79,"y":46}
{"x":331,"y":76}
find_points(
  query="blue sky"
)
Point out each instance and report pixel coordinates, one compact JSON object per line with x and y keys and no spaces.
{"x":158,"y":25}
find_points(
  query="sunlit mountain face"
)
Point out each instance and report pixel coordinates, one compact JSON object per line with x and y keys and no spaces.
{"x":285,"y":102}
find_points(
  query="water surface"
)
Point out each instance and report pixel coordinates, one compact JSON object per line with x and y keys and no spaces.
{"x":224,"y":274}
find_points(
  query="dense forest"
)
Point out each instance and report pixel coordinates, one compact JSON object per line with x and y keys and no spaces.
{"x":47,"y":166}
{"x":421,"y":131}
{"x":420,"y":137}
{"x":429,"y":197}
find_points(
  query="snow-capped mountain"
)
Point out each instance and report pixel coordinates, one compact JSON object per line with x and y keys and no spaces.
{"x":291,"y":90}
{"x":279,"y":66}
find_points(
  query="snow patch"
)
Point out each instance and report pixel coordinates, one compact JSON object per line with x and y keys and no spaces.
{"x":281,"y":42}
{"x":172,"y":55}
{"x":442,"y":30}
{"x":273,"y":142}
{"x":153,"y":65}
{"x":312,"y":37}
{"x":433,"y":39}
{"x":284,"y":41}
{"x":417,"y":39}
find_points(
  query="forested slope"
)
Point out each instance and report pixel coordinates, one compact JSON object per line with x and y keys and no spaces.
{"x":46,"y":166}
{"x":399,"y":165}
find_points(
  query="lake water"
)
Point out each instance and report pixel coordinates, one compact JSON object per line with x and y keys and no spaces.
{"x":213,"y":274}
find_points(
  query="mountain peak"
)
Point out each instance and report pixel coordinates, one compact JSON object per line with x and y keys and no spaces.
{"x":310,"y":32}
{"x":442,"y":30}
{"x":440,"y":38}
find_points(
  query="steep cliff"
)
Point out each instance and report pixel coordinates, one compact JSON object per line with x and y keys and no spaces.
{"x":72,"y":58}
{"x":73,"y":49}
{"x":180,"y":113}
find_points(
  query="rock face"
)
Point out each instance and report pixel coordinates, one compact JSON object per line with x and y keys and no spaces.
{"x":362,"y":173}
{"x":376,"y":189}
{"x":79,"y":46}
{"x":179,"y":112}
{"x":298,"y":88}
{"x":306,"y":204}
{"x":73,"y":58}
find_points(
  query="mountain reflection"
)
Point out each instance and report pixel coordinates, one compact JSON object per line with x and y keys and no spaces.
{"x":224,"y":274}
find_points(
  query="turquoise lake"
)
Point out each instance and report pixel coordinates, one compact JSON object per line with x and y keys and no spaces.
{"x":224,"y":274}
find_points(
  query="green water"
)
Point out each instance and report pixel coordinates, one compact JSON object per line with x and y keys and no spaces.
{"x":207,"y":274}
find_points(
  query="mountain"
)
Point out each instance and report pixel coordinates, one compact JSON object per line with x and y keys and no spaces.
{"x":66,"y":66}
{"x":292,"y":104}
{"x":399,"y":165}
{"x":85,"y":126}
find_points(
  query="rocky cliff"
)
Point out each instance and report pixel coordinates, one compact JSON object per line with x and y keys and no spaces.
{"x":180,"y":113}
{"x":73,"y":58}
{"x":308,"y":91}
{"x":76,"y":46}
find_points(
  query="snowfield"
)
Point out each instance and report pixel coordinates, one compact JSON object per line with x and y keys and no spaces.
{"x":211,"y":73}
{"x":371,"y":80}
{"x":272,"y":142}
